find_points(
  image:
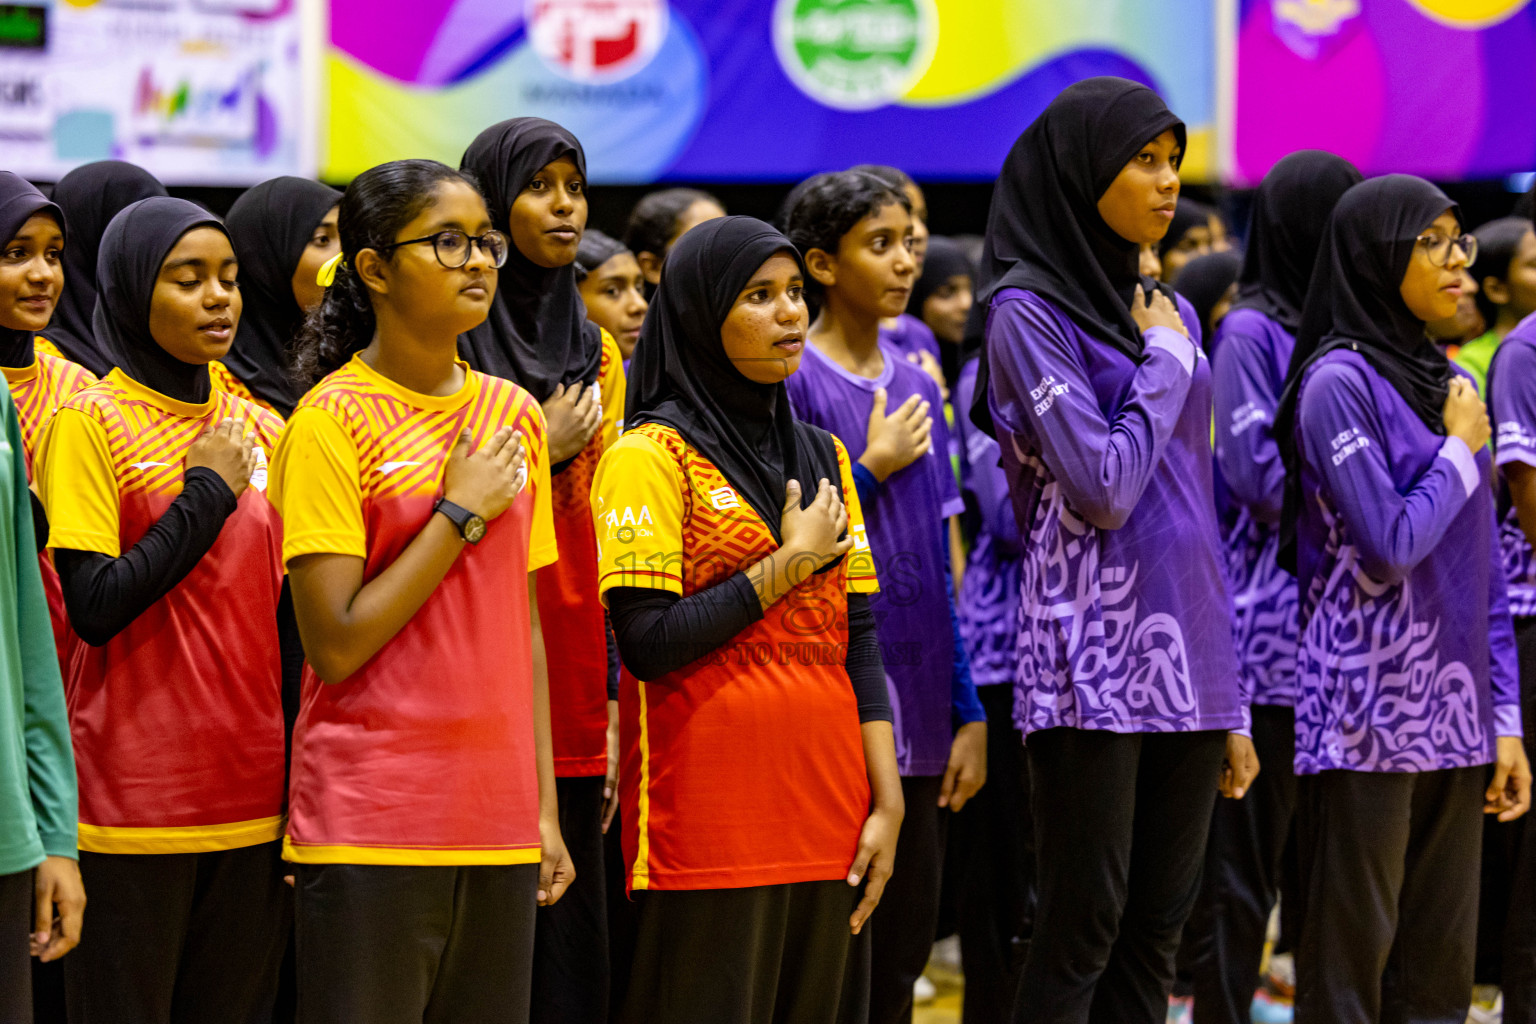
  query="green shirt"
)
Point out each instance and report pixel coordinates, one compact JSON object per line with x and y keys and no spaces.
{"x":1476,"y":356}
{"x":38,"y":805}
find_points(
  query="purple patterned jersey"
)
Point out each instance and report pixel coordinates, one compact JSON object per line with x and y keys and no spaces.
{"x":1407,"y":657}
{"x":1125,"y":620}
{"x":1512,"y":405}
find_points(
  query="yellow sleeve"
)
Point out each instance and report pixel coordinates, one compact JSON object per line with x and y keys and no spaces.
{"x":614,"y":391}
{"x":542,"y":549}
{"x":77,"y":484}
{"x":637,"y":510}
{"x":315,"y":485}
{"x":861,"y":560}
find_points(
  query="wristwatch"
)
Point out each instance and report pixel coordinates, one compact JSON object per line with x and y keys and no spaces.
{"x":471,"y":527}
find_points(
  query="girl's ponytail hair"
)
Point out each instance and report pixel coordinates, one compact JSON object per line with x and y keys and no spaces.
{"x":374,"y":208}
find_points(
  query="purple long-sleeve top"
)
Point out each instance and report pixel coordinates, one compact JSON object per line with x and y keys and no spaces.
{"x":988,"y":602}
{"x":1407,"y":655}
{"x":1512,"y":405}
{"x":910,"y":336}
{"x":1125,"y":616}
{"x":1248,"y":372}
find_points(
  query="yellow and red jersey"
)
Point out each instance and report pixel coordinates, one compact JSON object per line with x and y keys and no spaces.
{"x":574,"y":633}
{"x":225,"y":380}
{"x":425,"y":755}
{"x":38,"y":390}
{"x":745,"y":767}
{"x":177,"y":721}
{"x":44,"y":347}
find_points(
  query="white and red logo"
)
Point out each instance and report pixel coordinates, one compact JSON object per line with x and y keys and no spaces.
{"x":596,"y":41}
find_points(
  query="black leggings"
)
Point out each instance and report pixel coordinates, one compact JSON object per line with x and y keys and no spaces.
{"x":1120,"y":829}
{"x":15,"y":944}
{"x":902,"y":929}
{"x":570,"y":945}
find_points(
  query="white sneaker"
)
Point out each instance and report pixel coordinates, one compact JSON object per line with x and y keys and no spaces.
{"x":923,"y":991}
{"x":1487,"y":1005}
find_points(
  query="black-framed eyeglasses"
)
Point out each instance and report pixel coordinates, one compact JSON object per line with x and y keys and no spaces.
{"x":1438,"y":247}
{"x":452,"y":247}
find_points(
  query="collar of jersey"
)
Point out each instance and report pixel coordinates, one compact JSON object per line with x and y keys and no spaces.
{"x":134,"y":389}
{"x":433,"y":403}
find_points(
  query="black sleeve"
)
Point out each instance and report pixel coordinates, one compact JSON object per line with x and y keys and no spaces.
{"x":613,"y":657}
{"x":866,"y":670}
{"x":39,"y":522}
{"x":658,"y":632}
{"x":104,"y":594}
{"x":291,"y":652}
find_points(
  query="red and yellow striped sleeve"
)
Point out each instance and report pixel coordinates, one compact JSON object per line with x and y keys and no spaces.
{"x":315,"y":485}
{"x":637,"y":510}
{"x":77,"y":483}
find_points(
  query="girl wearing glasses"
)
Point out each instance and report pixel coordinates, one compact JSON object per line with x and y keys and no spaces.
{"x":537,"y":334}
{"x":415,"y":495}
{"x":1406,"y":686}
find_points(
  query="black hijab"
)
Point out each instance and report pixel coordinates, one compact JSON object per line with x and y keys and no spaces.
{"x":1355,"y":302}
{"x":1189,"y":214}
{"x":1044,"y":231}
{"x":270,"y":225}
{"x":1203,"y":281}
{"x":90,"y":197}
{"x":680,"y":375}
{"x":19,"y":202}
{"x":945,"y":259}
{"x":133,"y":248}
{"x":596,"y":249}
{"x":537,"y":333}
{"x":1290,"y":214}
{"x":1498,"y":243}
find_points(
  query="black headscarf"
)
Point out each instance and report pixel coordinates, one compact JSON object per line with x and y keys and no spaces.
{"x":945,"y":259}
{"x":1290,"y":213}
{"x":680,"y":375}
{"x":537,"y":333}
{"x":1044,"y":231}
{"x":1498,"y":243}
{"x":133,"y":248}
{"x":90,"y":197}
{"x":596,"y":249}
{"x":1355,"y":301}
{"x":1189,"y":214}
{"x":1203,"y":281}
{"x":19,"y":202}
{"x":269,"y":226}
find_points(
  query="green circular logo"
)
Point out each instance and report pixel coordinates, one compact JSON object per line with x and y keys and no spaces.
{"x":855,"y":54}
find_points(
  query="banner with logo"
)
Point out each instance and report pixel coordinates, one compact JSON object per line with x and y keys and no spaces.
{"x":206,"y":92}
{"x":1441,"y":88}
{"x":739,"y":90}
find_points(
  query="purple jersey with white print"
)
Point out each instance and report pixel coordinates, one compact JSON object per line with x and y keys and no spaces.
{"x":1248,"y":374}
{"x":1407,"y":656}
{"x":1512,"y":406}
{"x":909,"y":336}
{"x":909,"y":538}
{"x":988,"y":602}
{"x":1125,"y":622}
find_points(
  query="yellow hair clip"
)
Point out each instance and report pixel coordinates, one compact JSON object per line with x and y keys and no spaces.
{"x":327,"y":275}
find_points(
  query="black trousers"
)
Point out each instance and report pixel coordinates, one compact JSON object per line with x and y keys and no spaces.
{"x":182,"y":937}
{"x":902,"y":929}
{"x":1120,"y":829}
{"x":1506,"y":953}
{"x":623,"y":918}
{"x":15,"y":948}
{"x":770,"y":954}
{"x":991,"y":862}
{"x":415,"y":945}
{"x":570,"y":944}
{"x":1224,"y":939}
{"x":1389,"y":886}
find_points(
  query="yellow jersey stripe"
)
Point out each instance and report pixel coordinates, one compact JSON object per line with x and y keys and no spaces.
{"x":641,"y":876}
{"x":301,"y":853}
{"x":180,"y":839}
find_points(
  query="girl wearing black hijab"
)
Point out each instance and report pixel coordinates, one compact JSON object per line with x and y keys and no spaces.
{"x":283,"y":231}
{"x":169,"y":555}
{"x":1127,"y":688}
{"x":538,"y":336}
{"x":759,"y":782}
{"x":1225,"y":937}
{"x":1406,"y":689}
{"x":90,"y":197}
{"x":1189,"y":237}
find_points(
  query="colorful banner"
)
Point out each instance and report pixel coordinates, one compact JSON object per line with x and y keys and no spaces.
{"x":740,"y":90}
{"x":1441,"y":88}
{"x":207,"y":92}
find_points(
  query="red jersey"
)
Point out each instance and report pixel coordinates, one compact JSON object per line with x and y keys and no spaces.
{"x":225,"y":380}
{"x":745,"y":767}
{"x":177,"y":721}
{"x":425,"y":755}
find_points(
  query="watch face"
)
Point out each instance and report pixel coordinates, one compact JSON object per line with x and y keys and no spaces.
{"x":474,"y":529}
